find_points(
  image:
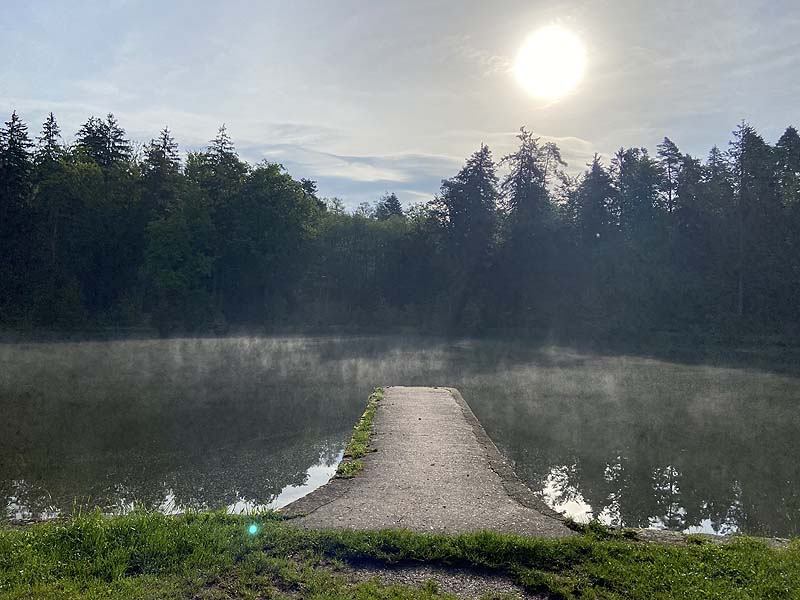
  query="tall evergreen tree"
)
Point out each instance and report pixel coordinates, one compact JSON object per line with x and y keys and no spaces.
{"x":387,"y":207}
{"x":787,"y":155}
{"x":466,"y":207}
{"x":161,"y":173}
{"x":530,"y":169}
{"x":525,"y":270}
{"x":50,"y":146}
{"x":758,"y":218}
{"x":104,"y":141}
{"x":671,"y":161}
{"x":16,"y":216}
{"x":16,"y":164}
{"x":638,"y":181}
{"x":218,"y":170}
{"x":594,"y":205}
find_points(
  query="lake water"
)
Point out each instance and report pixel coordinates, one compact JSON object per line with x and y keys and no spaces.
{"x":245,"y":423}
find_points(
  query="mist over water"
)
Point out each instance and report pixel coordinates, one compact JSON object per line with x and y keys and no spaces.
{"x":241,"y":422}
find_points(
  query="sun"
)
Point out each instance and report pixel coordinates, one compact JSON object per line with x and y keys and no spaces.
{"x":550,"y":63}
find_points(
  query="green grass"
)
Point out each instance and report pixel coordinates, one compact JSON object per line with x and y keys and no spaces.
{"x":212,"y":555}
{"x":358,"y":446}
{"x":349,"y":468}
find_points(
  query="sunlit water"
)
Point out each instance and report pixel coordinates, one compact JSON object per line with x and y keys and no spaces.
{"x":254,"y":423}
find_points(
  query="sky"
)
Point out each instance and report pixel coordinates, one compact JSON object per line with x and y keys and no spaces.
{"x":372,"y":96}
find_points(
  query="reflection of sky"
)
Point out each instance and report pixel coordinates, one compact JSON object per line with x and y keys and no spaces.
{"x":316,"y":476}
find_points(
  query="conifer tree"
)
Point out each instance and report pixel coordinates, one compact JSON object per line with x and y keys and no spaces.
{"x":104,"y":141}
{"x":758,"y":217}
{"x":15,"y":161}
{"x":467,"y":205}
{"x":50,"y":146}
{"x":387,"y":207}
{"x":525,"y":186}
{"x":466,"y":208}
{"x":16,"y":216}
{"x":161,"y":173}
{"x":787,"y":155}
{"x":638,"y":181}
{"x":221,"y":170}
{"x":671,"y":160}
{"x":594,"y":204}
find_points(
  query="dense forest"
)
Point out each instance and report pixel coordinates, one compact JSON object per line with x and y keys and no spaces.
{"x":100,"y":234}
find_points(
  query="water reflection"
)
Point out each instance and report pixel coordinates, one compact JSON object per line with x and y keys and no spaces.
{"x":244,"y":423}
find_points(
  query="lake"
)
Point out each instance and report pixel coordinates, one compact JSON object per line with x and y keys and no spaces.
{"x":246,"y":423}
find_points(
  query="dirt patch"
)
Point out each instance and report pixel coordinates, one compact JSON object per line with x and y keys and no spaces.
{"x":464,"y":583}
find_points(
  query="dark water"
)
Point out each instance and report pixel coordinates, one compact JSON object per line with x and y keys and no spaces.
{"x":250,"y":422}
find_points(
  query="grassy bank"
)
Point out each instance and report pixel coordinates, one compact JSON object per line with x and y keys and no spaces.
{"x":358,"y":446}
{"x":213,"y":555}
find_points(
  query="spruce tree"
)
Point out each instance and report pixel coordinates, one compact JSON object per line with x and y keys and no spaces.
{"x":104,"y":141}
{"x":787,"y":156}
{"x":671,"y":160}
{"x":525,"y":187}
{"x":161,"y":173}
{"x":638,"y":181}
{"x":387,"y":207}
{"x":16,"y":216}
{"x":466,"y":207}
{"x":759,"y":218}
{"x":50,"y":146}
{"x":594,"y":205}
{"x":15,"y":162}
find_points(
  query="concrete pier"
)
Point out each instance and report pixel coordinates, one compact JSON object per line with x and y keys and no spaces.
{"x":434,"y":469}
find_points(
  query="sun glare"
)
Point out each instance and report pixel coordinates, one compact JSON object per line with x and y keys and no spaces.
{"x":551,"y":63}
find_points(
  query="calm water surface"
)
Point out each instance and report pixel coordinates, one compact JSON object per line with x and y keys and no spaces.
{"x":245,"y":423}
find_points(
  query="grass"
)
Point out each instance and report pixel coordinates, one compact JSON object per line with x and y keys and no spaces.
{"x":213,"y":555}
{"x":358,"y":446}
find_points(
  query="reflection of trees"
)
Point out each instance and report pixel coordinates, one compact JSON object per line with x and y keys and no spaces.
{"x":684,"y":444}
{"x":220,"y":420}
{"x":210,"y":421}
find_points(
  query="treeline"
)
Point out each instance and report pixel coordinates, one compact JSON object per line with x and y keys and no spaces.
{"x":97,"y":234}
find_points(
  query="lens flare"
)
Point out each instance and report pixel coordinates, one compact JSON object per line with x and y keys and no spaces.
{"x":253,"y":529}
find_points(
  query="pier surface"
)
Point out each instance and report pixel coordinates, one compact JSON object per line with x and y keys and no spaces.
{"x":434,"y":469}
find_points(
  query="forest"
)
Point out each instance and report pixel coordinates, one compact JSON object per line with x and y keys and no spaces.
{"x":101,"y":234}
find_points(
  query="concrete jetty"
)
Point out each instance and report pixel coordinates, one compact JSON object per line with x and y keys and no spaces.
{"x":434,"y":469}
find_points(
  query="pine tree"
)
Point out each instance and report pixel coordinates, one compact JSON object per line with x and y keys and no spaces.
{"x":222,"y":147}
{"x":387,"y":207}
{"x":638,"y":181}
{"x":118,"y":147}
{"x":758,"y":218}
{"x":162,"y":154}
{"x":16,"y":216}
{"x":161,"y":173}
{"x":15,"y":161}
{"x":594,"y":205}
{"x":524,"y":265}
{"x":104,"y":141}
{"x":466,"y":208}
{"x":467,"y":205}
{"x":50,"y":146}
{"x":530,"y":168}
{"x":787,"y":155}
{"x":222,"y":171}
{"x":91,"y":139}
{"x":671,"y":160}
